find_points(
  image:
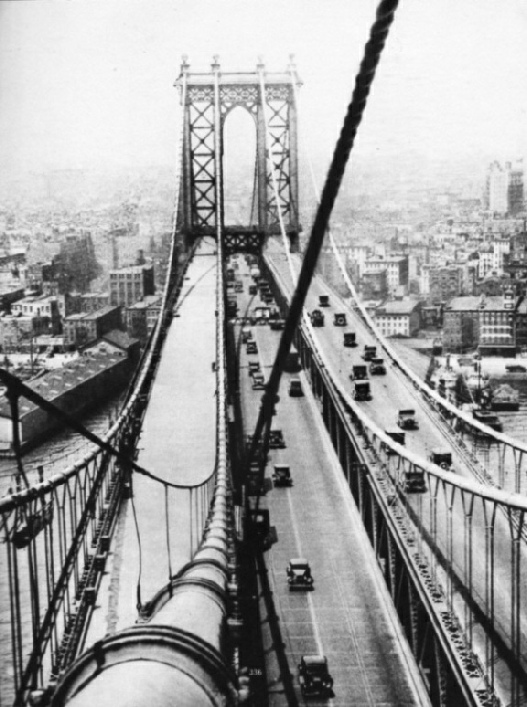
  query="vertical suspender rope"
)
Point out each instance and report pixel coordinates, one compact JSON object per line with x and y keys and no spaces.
{"x":363,"y":81}
{"x":167,"y":523}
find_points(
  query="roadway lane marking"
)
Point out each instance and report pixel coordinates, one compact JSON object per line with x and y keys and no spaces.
{"x":298,"y":543}
{"x":414,"y":679}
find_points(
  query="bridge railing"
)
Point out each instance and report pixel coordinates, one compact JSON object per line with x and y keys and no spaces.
{"x":504,"y":458}
{"x":55,"y":534}
{"x":55,"y":539}
{"x":190,"y":640}
{"x":461,"y":538}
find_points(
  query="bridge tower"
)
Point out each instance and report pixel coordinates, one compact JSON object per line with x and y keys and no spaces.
{"x":269,"y":98}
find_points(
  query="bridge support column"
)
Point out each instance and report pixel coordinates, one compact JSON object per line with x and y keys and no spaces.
{"x":202,"y":133}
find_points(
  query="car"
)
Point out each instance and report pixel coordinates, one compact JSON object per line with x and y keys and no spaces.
{"x":276,"y":439}
{"x":314,"y":677}
{"x":377,"y":367}
{"x":339,"y":319}
{"x":238,"y":287}
{"x":323,"y":300}
{"x":276,"y":324}
{"x":370,"y":352}
{"x":292,"y":362}
{"x":350,"y":339}
{"x":317,"y":318}
{"x":247,"y":334}
{"x":253,"y":290}
{"x":406,"y":420}
{"x":362,"y":390}
{"x":261,"y":314}
{"x":282,"y":475}
{"x":295,"y":388}
{"x":359,"y":372}
{"x":258,"y":382}
{"x":414,"y":480}
{"x":397,"y":436}
{"x":299,"y":575}
{"x":252,"y":347}
{"x":442,"y":457}
{"x":253,"y":367}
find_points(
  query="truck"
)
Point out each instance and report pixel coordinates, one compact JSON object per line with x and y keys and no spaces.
{"x":406,"y":420}
{"x":370,"y":352}
{"x":359,"y":373}
{"x":377,"y":367}
{"x":317,"y":318}
{"x":362,"y":390}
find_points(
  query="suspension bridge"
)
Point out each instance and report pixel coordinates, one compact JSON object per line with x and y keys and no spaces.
{"x":153,"y":569}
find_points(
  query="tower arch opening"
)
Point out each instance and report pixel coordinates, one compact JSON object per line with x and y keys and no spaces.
{"x":240,"y":175}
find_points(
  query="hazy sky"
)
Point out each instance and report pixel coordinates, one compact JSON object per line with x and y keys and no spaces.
{"x":87,"y":83}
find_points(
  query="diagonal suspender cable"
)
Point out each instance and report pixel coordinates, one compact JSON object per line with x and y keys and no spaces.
{"x":363,"y":81}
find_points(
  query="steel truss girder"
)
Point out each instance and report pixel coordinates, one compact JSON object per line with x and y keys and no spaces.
{"x":444,"y":673}
{"x":246,"y":242}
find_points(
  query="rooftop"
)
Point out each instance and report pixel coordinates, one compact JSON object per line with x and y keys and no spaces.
{"x":148,"y":301}
{"x":398,"y":307}
{"x":491,"y":303}
{"x":131,"y":270}
{"x":120,"y":338}
{"x":54,"y":384}
{"x":103,"y":311}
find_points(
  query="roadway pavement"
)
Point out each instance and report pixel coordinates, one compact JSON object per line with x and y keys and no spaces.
{"x":349,"y":616}
{"x":177,"y":444}
{"x":389,"y":394}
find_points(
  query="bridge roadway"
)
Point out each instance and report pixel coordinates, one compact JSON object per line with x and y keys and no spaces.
{"x":349,"y":617}
{"x":177,"y":444}
{"x":389,"y":394}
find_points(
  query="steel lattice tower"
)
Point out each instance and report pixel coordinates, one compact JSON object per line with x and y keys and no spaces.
{"x":275,"y":110}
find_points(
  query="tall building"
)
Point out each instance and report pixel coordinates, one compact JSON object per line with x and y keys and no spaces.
{"x":516,"y":194}
{"x":486,"y":322}
{"x":81,"y":329}
{"x":130,"y":285}
{"x":396,"y":269}
{"x":504,"y":188}
{"x":445,"y":282}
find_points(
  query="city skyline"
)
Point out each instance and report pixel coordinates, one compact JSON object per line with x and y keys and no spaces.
{"x":91,"y":84}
